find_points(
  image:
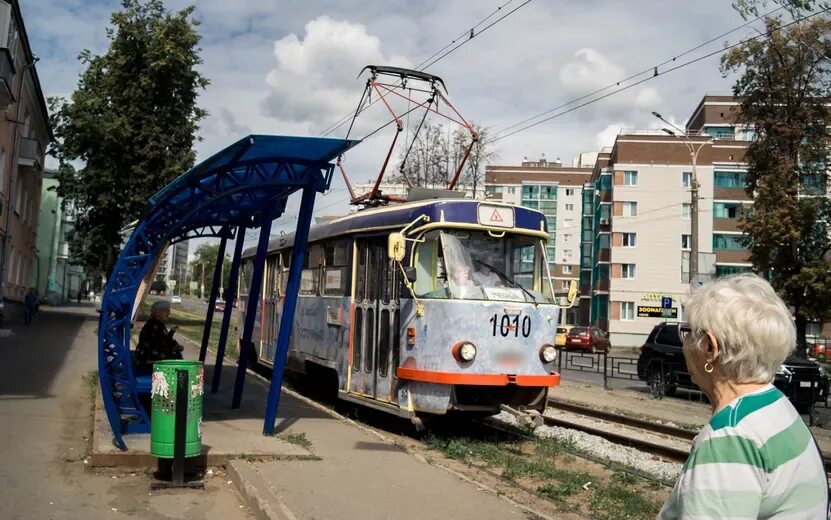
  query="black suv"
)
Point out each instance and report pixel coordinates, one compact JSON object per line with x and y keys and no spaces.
{"x":661,"y":364}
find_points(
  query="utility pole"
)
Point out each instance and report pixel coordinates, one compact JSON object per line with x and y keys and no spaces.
{"x":202,"y":280}
{"x":694,"y":192}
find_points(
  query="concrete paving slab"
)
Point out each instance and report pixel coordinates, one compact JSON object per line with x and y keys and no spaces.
{"x":226,"y":434}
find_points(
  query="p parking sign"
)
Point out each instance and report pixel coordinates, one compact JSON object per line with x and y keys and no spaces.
{"x":666,"y":302}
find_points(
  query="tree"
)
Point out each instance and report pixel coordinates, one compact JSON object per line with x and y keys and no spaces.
{"x":203,"y":264}
{"x":158,"y":286}
{"x":782,"y":90}
{"x":436,"y":153}
{"x":129,"y":126}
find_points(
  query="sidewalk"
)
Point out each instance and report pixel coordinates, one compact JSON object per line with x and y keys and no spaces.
{"x":347,"y":472}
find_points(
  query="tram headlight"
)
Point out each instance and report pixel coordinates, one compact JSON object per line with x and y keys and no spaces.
{"x":548,"y":353}
{"x":464,"y":351}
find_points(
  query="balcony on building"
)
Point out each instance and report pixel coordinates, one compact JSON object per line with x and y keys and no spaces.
{"x":6,"y":77}
{"x":31,"y":153}
{"x":602,"y":285}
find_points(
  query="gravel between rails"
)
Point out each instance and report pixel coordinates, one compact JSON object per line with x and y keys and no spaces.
{"x":603,"y":449}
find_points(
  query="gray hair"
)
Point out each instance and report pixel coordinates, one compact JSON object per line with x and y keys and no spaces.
{"x":753,"y":326}
{"x":160,"y":305}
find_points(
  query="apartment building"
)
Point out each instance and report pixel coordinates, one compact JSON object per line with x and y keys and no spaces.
{"x":24,"y":137}
{"x":557,"y":192}
{"x":173,"y":265}
{"x":636,"y":232}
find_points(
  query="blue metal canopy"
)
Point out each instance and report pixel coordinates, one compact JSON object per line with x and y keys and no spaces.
{"x":244,"y":185}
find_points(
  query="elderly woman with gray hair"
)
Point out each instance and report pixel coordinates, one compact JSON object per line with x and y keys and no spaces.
{"x":756,"y":458}
{"x":155,"y":340}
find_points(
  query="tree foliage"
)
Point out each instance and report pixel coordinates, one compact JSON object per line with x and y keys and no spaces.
{"x":129,"y":127}
{"x":436,"y":153}
{"x":203,"y":264}
{"x":782,"y":88}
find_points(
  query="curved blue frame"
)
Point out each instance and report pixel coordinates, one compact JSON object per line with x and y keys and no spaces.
{"x":239,"y":185}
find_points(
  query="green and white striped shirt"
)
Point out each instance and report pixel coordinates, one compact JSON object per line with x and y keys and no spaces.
{"x":755,"y":459}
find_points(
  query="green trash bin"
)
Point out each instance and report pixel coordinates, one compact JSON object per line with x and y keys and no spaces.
{"x":163,"y":412}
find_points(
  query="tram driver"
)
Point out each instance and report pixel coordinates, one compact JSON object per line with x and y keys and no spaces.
{"x":155,"y":340}
{"x":485,"y":276}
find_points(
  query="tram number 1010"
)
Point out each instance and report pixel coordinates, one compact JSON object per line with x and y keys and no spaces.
{"x":506,"y":325}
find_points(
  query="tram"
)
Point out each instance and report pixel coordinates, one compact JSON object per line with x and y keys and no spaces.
{"x":422,"y":308}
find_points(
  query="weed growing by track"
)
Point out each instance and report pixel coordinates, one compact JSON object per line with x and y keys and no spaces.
{"x":296,"y":438}
{"x":546,"y":466}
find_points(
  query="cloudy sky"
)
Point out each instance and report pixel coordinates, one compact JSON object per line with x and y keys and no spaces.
{"x":290,"y":67}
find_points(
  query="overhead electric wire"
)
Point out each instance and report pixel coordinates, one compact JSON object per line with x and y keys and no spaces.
{"x":644,"y":80}
{"x":649,"y":70}
{"x":470,"y":31}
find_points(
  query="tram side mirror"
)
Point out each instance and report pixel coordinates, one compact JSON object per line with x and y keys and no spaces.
{"x":396,"y":246}
{"x":410,"y":273}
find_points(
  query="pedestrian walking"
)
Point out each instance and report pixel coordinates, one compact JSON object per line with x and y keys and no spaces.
{"x":756,"y":458}
{"x":30,"y":303}
{"x":79,"y":295}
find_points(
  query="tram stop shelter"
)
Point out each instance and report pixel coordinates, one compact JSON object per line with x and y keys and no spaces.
{"x":244,"y":186}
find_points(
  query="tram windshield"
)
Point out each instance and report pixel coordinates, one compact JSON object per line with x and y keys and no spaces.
{"x":472,"y":265}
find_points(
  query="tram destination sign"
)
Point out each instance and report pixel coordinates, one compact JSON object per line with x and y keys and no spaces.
{"x":645,"y":311}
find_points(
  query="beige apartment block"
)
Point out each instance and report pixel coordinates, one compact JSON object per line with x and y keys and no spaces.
{"x":24,"y":137}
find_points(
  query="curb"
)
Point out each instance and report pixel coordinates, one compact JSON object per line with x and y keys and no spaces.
{"x":256,"y":492}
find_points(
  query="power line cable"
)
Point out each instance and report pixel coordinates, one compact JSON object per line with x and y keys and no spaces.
{"x":471,"y":32}
{"x":655,"y":75}
{"x":652,"y":69}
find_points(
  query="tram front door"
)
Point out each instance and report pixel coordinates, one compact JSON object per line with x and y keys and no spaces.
{"x":375,"y":334}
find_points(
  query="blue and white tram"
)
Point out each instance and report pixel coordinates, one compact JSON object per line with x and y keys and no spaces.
{"x":465,"y":321}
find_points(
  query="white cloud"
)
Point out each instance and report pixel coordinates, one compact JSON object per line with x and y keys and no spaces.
{"x":314,"y":80}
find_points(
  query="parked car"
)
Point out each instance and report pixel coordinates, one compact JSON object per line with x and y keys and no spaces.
{"x":219,"y":306}
{"x":661,"y":364}
{"x":176,"y":299}
{"x":591,"y":339}
{"x":562,"y":331}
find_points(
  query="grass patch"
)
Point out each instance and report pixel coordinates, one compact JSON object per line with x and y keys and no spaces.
{"x":544,"y":462}
{"x":298,"y":439}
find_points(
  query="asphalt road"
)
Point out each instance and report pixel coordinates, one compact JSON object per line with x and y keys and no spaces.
{"x":45,"y":421}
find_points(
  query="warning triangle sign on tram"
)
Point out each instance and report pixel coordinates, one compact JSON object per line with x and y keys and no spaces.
{"x":496,"y":217}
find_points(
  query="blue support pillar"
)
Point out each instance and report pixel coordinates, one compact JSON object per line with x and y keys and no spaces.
{"x":301,"y":239}
{"x":253,"y":303}
{"x":209,"y":318}
{"x":229,"y":309}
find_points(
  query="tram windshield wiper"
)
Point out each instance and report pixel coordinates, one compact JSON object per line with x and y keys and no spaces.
{"x":509,"y":281}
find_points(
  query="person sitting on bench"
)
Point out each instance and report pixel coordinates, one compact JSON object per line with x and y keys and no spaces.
{"x":155,"y":340}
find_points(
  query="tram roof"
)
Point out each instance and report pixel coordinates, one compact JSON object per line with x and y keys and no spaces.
{"x":450,"y":211}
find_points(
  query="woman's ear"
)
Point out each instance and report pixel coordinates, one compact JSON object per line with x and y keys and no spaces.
{"x":712,"y":347}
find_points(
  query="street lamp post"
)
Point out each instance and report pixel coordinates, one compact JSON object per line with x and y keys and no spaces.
{"x":694,"y":187}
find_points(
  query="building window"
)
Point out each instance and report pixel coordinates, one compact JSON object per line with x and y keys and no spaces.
{"x":511,"y":190}
{"x":567,"y":253}
{"x":629,"y":239}
{"x":724,"y":270}
{"x":685,"y":210}
{"x":630,"y":209}
{"x":627,"y":271}
{"x":686,"y":242}
{"x":569,"y":191}
{"x":730,"y":179}
{"x":627,"y":310}
{"x":566,"y":269}
{"x":726,"y":242}
{"x":569,"y":207}
{"x":567,"y":237}
{"x":726,"y":210}
{"x":564,"y":285}
{"x":720,"y":132}
{"x":630,"y":178}
{"x":568,"y":223}
{"x":686,"y":179}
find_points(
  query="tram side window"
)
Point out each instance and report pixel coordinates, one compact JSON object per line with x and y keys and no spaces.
{"x":429,"y":265}
{"x":272,"y":279}
{"x":335,"y":272}
{"x":285,"y":258}
{"x":245,"y":271}
{"x":310,"y":278}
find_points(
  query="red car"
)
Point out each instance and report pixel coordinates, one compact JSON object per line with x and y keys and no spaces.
{"x":591,"y":339}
